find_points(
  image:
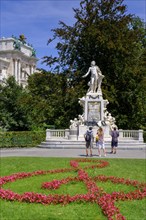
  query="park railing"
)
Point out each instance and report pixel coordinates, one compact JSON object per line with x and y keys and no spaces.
{"x":123,"y":134}
{"x":57,"y":133}
{"x":131,"y":134}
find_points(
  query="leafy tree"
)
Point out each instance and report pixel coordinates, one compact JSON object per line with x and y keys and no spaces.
{"x":49,"y":100}
{"x":116,"y":40}
{"x":53,"y":100}
{"x":12,"y":116}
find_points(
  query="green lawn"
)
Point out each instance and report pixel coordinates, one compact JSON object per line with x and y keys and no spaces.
{"x":133,"y":169}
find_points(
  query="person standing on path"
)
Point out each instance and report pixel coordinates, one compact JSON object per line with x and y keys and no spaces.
{"x":114,"y":141}
{"x":100,"y":141}
{"x":89,"y":138}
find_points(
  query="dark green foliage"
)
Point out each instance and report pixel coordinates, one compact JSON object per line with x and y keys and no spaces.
{"x":21,"y":139}
{"x":116,"y":40}
{"x":12,"y":115}
{"x":49,"y":101}
{"x":53,"y":100}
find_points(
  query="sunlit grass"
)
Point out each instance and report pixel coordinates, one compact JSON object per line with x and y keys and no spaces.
{"x":133,"y":169}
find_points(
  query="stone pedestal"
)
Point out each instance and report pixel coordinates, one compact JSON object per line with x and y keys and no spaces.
{"x":94,"y":114}
{"x":93,"y":108}
{"x":73,"y":134}
{"x":82,"y":130}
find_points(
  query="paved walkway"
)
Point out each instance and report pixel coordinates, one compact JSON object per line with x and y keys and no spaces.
{"x":75,"y":153}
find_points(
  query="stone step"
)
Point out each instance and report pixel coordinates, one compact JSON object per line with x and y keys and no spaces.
{"x":127,"y":144}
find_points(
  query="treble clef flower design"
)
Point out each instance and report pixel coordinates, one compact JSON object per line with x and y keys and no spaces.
{"x":95,"y":194}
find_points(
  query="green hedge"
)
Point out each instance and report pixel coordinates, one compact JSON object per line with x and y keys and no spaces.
{"x":21,"y":139}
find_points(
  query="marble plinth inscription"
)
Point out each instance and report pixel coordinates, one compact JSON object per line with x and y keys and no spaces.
{"x":94,"y":111}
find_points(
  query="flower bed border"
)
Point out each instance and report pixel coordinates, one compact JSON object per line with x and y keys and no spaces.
{"x":94,"y":193}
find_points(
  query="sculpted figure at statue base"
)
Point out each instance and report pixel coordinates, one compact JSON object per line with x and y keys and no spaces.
{"x":109,"y":120}
{"x":96,"y":78}
{"x":74,"y":123}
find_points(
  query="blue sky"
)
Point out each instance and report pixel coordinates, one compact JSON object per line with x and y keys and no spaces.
{"x":36,"y":18}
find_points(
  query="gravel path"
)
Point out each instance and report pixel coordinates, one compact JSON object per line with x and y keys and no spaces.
{"x":75,"y":153}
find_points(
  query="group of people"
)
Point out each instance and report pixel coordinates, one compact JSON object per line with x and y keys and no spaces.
{"x":99,"y":139}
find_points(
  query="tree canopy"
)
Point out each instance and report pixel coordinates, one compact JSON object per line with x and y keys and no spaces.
{"x":54,"y":101}
{"x":116,"y":40}
{"x":103,"y":31}
{"x":12,"y":115}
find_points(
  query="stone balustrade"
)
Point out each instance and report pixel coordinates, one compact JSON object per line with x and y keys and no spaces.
{"x":123,"y":134}
{"x":57,"y":133}
{"x":131,"y":134}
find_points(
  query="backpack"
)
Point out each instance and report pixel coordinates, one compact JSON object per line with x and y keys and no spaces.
{"x":88,"y":136}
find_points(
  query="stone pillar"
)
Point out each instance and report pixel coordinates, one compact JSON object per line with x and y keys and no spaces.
{"x":102,"y":109}
{"x":86,"y":109}
{"x":48,"y":134}
{"x":19,"y":72}
{"x":82,"y":131}
{"x":31,"y":67}
{"x":15,"y":68}
{"x":66,"y":133}
{"x":120,"y":133}
{"x":140,"y":135}
{"x":73,"y":134}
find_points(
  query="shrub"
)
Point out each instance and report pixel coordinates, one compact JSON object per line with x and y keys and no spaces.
{"x":21,"y":139}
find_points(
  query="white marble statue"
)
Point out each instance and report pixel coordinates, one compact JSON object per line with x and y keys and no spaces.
{"x":74,"y":123}
{"x":96,"y":78}
{"x":81,"y":119}
{"x":109,"y":119}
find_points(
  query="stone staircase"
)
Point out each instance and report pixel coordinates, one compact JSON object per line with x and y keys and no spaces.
{"x":78,"y":144}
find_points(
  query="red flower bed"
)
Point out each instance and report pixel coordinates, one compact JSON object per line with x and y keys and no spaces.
{"x":94,"y":193}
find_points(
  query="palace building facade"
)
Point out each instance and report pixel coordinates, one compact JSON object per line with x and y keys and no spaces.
{"x":17,"y":58}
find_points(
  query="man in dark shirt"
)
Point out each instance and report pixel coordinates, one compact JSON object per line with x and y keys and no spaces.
{"x":114,"y":142}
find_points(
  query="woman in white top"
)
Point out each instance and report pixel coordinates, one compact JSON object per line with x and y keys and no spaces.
{"x":100,"y":141}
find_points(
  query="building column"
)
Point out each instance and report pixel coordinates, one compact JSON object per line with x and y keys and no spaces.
{"x":34,"y":68}
{"x":15,"y":68}
{"x":19,"y":72}
{"x":31,"y":72}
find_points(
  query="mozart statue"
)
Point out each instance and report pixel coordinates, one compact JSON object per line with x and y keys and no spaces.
{"x":96,"y":78}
